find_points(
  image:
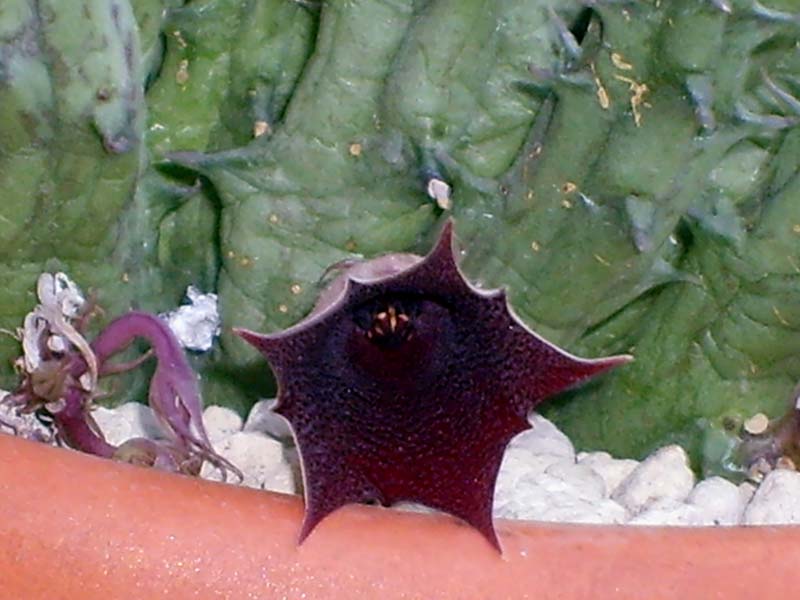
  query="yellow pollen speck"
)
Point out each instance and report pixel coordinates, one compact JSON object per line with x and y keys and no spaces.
{"x":355,"y":149}
{"x":231,"y":254}
{"x":566,"y":203}
{"x":182,"y":76}
{"x":620,"y":62}
{"x":602,"y":94}
{"x":535,"y":246}
{"x":179,"y":38}
{"x":796,"y":227}
{"x":569,"y":187}
{"x":260,"y":128}
{"x":246,"y":261}
{"x":602,"y":260}
{"x":638,"y":91}
{"x":794,"y":264}
{"x":780,"y":317}
{"x":273,"y":218}
{"x":529,"y":195}
{"x":125,"y":278}
{"x":295,"y":288}
{"x":350,"y":246}
{"x":283,"y":308}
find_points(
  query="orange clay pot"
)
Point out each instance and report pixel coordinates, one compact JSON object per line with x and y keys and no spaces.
{"x":81,"y":528}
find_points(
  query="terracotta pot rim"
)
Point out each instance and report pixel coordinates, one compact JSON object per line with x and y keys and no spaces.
{"x":77,"y":526}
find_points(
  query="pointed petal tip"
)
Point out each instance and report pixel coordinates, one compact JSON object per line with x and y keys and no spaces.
{"x":443,"y":253}
{"x":485,"y":527}
{"x":247,"y":334}
{"x":491,"y":537}
{"x":311,"y":519}
{"x":598,"y":366}
{"x":305,"y":531}
{"x":618,"y":360}
{"x":259,"y":341}
{"x":446,"y":235}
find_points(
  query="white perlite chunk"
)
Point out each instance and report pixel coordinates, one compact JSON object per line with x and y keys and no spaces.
{"x":612,"y":470}
{"x":746,"y":491}
{"x":129,"y":420}
{"x":539,"y":480}
{"x":579,"y":480}
{"x":518,"y":463}
{"x":666,"y":511}
{"x":544,"y":438}
{"x":264,"y":420}
{"x":564,"y":492}
{"x":197,"y":323}
{"x":719,"y":500}
{"x":776,"y":501}
{"x":529,"y":454}
{"x":665,"y":474}
{"x":220,"y":422}
{"x":260,"y":459}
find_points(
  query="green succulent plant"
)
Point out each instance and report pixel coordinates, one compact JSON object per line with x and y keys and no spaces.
{"x":629,"y":170}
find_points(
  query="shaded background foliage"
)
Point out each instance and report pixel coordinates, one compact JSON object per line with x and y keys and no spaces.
{"x":628,"y":169}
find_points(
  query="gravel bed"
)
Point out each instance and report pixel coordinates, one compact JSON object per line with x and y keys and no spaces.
{"x":542,"y":478}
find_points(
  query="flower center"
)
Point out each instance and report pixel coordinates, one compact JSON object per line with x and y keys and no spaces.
{"x":390,"y":325}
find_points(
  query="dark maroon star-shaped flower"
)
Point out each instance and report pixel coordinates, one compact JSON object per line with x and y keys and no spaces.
{"x":406,"y":383}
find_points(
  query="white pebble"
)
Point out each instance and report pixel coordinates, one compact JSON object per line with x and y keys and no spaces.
{"x":665,"y":474}
{"x":264,"y":420}
{"x":569,"y":510}
{"x":544,"y":438}
{"x":746,"y":491}
{"x":586,"y":484}
{"x":413,"y":507}
{"x":552,"y":497}
{"x":561,"y":491}
{"x":260,"y":459}
{"x":612,"y":470}
{"x":519,"y":463}
{"x":221,"y":422}
{"x":776,"y":501}
{"x":129,"y":420}
{"x":719,"y":500}
{"x":669,"y":512}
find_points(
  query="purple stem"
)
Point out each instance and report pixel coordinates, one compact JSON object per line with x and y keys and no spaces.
{"x":174,"y":395}
{"x":123,"y":330}
{"x":75,"y":430}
